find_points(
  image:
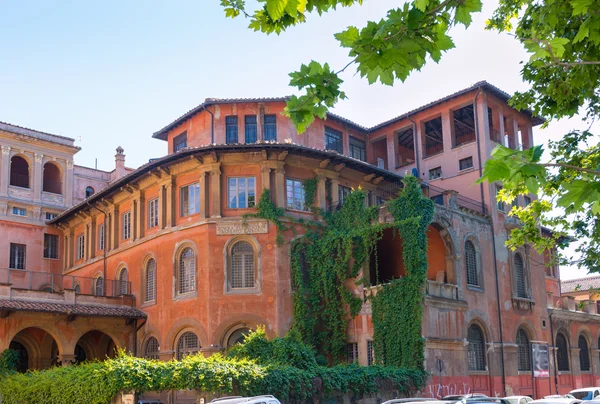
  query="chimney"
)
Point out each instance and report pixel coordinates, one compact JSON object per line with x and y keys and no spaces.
{"x":119,"y":158}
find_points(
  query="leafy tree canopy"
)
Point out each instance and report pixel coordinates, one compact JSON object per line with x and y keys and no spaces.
{"x":563,"y":38}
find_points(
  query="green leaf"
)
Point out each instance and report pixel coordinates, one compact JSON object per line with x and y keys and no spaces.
{"x":558,"y":46}
{"x":421,"y":4}
{"x":276,"y":8}
{"x":580,"y":6}
{"x":496,"y":170}
{"x":348,"y":37}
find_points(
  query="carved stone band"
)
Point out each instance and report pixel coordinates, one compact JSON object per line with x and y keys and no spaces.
{"x":259,"y":227}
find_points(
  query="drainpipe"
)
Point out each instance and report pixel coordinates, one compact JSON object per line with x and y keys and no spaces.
{"x":105,"y":246}
{"x":212,"y":124}
{"x":553,"y":352}
{"x":416,"y":143}
{"x":498,"y":307}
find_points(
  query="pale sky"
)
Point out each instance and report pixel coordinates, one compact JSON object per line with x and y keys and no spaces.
{"x":110,"y":73}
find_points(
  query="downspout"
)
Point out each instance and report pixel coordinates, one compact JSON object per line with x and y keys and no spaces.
{"x":553,"y":352}
{"x":493,"y":245}
{"x":415,"y":140}
{"x":104,"y":249}
{"x":212,"y":124}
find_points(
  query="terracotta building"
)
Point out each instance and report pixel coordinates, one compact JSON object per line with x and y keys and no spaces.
{"x":157,"y":260}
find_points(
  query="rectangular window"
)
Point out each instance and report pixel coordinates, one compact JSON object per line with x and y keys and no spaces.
{"x":527,"y":200}
{"x":50,"y":216}
{"x":270,"y":128}
{"x":465,"y":164}
{"x":380,"y":163}
{"x":101,"y":236}
{"x":180,"y":142}
{"x":333,"y":140}
{"x":370,"y":353}
{"x":343,"y":192}
{"x":17,"y":256}
{"x":50,"y":246}
{"x":251,"y":128}
{"x":433,"y":139}
{"x":352,"y":355}
{"x":126,"y":223}
{"x":435,"y":173}
{"x":231,"y":129}
{"x":19,"y":211}
{"x":241,"y":192}
{"x":190,"y":199}
{"x":80,"y":247}
{"x":499,"y":203}
{"x":295,"y":195}
{"x":358,"y":149}
{"x":153,"y":213}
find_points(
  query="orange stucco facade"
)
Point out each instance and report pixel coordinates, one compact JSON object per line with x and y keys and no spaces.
{"x":167,"y":245}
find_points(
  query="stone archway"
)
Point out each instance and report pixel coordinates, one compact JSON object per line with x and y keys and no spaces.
{"x":94,"y":344}
{"x":37,"y":349}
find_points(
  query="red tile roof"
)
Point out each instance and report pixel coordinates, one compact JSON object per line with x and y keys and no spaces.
{"x":85,"y":310}
{"x":581,"y":284}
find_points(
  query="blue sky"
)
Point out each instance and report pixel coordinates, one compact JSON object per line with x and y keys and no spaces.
{"x":111,"y":73}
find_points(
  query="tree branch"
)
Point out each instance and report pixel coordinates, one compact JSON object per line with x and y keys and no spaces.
{"x":570,"y":167}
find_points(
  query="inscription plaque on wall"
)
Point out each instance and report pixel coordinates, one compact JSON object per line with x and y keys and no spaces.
{"x":258,"y":227}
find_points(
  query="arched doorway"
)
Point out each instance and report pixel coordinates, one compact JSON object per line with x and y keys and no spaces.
{"x":36,"y":349}
{"x":19,"y":172}
{"x":94,"y":345}
{"x":52,"y":179}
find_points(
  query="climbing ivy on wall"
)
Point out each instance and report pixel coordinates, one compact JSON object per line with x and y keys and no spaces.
{"x":398,"y":306}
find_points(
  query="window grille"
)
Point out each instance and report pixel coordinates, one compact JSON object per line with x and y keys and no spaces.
{"x":270,"y":128}
{"x":50,"y":246}
{"x":19,"y":211}
{"x":471,"y":263}
{"x":370,"y":353}
{"x":358,"y":149}
{"x":242,"y":265}
{"x":562,"y":353}
{"x":187,"y":275}
{"x":584,"y":354}
{"x":295,"y":195}
{"x":126,"y":222}
{"x":180,"y":142}
{"x":435,"y":173}
{"x":523,"y":351}
{"x":190,"y":199}
{"x":17,"y":256}
{"x":466,"y":163}
{"x":101,"y":236}
{"x":476,"y":352}
{"x":153,"y":213}
{"x":150,"y":281}
{"x":242,"y":192}
{"x":333,"y":140}
{"x":123,"y":282}
{"x":231,"y":129}
{"x":352,"y":356}
{"x":251,"y":128}
{"x":80,"y":246}
{"x":99,"y":286}
{"x":520,"y":276}
{"x":188,"y":344}
{"x":151,"y":351}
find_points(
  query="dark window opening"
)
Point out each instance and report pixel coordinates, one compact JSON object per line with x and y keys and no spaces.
{"x":51,"y":181}
{"x":494,"y":132}
{"x":434,"y":138}
{"x":19,"y":172}
{"x":23,"y":357}
{"x":50,"y":246}
{"x":584,"y":354}
{"x":406,"y":147}
{"x":520,"y":276}
{"x":270,"y":128}
{"x":464,"y":125}
{"x":471,"y":264}
{"x":435,"y":173}
{"x":333,"y":140}
{"x":387,"y":264}
{"x":523,"y":351}
{"x":465,"y":163}
{"x":89,"y":191}
{"x":17,"y":256}
{"x":251,"y":128}
{"x":180,"y":142}
{"x":562,"y":353}
{"x":476,"y":350}
{"x":231,"y":129}
{"x":358,"y":149}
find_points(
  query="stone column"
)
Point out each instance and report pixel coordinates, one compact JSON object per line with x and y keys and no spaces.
{"x":170,"y":204}
{"x":66,"y":244}
{"x":37,"y":185}
{"x":335,"y":187}
{"x":215,"y":187}
{"x":68,"y":188}
{"x":321,"y":192}
{"x":280,"y":186}
{"x":265,"y":173}
{"x":447,"y":123}
{"x":203,"y":195}
{"x":114,"y":225}
{"x":516,"y":140}
{"x":391,"y":152}
{"x":93,"y":233}
{"x":5,"y":171}
{"x":87,"y":241}
{"x":140,"y":217}
{"x":66,"y":360}
{"x":161,"y":207}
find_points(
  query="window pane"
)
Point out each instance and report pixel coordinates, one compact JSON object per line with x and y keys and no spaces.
{"x":242,"y":192}
{"x":270,"y":128}
{"x":251,"y":128}
{"x":231,"y":129}
{"x":251,"y":192}
{"x":333,"y":140}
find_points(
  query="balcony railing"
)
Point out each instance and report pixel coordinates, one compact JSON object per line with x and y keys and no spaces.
{"x":436,"y":194}
{"x":54,"y":187}
{"x":54,"y":283}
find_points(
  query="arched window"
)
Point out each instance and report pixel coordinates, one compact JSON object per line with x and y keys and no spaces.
{"x":520,"y":276}
{"x":186,"y":272}
{"x":99,"y":286}
{"x":471,"y":264}
{"x":584,"y":354}
{"x":238,"y":336}
{"x":52,"y":182}
{"x":562,"y":353}
{"x":77,"y":289}
{"x":523,"y":351}
{"x":89,"y":191}
{"x":123,"y":282}
{"x":151,"y":349}
{"x":188,"y":344}
{"x":242,"y":266}
{"x":150,"y":294}
{"x":476,"y":353}
{"x":19,"y":172}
